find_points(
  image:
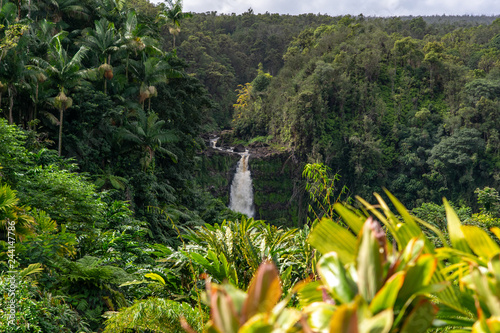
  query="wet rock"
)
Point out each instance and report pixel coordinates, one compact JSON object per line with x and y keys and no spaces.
{"x":258,"y":145}
{"x":239,"y":148}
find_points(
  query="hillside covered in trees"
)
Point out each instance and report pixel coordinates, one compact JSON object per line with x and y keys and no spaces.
{"x":386,"y":102}
{"x":109,"y":217}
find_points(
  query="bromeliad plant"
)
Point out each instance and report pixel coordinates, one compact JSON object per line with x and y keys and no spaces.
{"x":367,"y":284}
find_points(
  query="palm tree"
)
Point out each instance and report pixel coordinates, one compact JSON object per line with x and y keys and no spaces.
{"x":12,"y":54}
{"x":134,"y":39}
{"x":150,"y":72}
{"x":104,"y":42}
{"x":146,"y":135}
{"x":64,"y":71}
{"x":171,"y":14}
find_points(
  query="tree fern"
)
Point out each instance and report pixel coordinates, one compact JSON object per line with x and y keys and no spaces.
{"x":154,"y":315}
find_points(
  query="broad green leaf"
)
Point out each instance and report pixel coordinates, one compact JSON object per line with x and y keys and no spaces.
{"x":287,"y":318}
{"x":410,"y":254}
{"x":336,"y":279}
{"x":156,"y":277}
{"x":418,"y":276}
{"x":199,"y":259}
{"x":479,"y":283}
{"x":309,"y":293}
{"x":236,"y":295}
{"x":264,"y":291}
{"x":480,"y":242}
{"x":319,"y":315}
{"x":214,"y":260}
{"x":345,"y":319}
{"x":493,"y":323}
{"x":380,"y":323}
{"x":494,"y":266}
{"x":496,"y":232}
{"x":420,"y":318}
{"x":409,"y":220}
{"x":457,"y":236}
{"x":328,"y":236}
{"x":369,"y":262}
{"x":355,"y":222}
{"x":387,"y":295}
{"x":257,"y":324}
{"x":223,"y":313}
{"x":390,"y":224}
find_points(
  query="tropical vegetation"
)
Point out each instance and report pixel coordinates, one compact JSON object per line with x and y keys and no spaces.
{"x":113,"y":211}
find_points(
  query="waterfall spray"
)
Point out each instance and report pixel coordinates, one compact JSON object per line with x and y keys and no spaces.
{"x":241,"y":195}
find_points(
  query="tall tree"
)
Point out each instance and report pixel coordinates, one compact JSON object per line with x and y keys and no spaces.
{"x":103,"y":41}
{"x":171,"y":14}
{"x":65,"y":72}
{"x":146,"y":134}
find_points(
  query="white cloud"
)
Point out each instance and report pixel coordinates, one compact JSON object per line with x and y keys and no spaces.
{"x":353,"y":7}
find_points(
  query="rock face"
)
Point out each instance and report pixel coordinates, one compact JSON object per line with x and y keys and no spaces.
{"x":239,"y":148}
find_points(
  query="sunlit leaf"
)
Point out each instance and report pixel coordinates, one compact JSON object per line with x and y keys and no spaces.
{"x":420,"y":318}
{"x":457,"y":236}
{"x":480,"y":242}
{"x":386,"y":296}
{"x":328,"y":236}
{"x":336,"y":279}
{"x":264,"y":291}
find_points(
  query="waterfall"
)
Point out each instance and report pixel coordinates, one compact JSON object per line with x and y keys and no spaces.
{"x":241,"y":195}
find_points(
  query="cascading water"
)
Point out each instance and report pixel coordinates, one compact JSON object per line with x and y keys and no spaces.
{"x":241,"y":195}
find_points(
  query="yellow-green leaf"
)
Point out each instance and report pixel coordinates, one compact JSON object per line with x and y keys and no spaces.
{"x":420,"y":318}
{"x":457,"y":236}
{"x":480,"y":242}
{"x":369,"y":262}
{"x":496,"y":231}
{"x":345,"y":319}
{"x":380,"y":323}
{"x":386,"y":296}
{"x":418,"y":276}
{"x":264,"y":291}
{"x":335,"y":278}
{"x":156,"y":277}
{"x":319,"y":315}
{"x":355,"y":222}
{"x":328,"y":236}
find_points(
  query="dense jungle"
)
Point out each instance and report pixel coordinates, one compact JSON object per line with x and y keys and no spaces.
{"x":373,"y":146}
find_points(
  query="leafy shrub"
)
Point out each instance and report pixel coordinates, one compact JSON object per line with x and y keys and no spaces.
{"x":38,"y":311}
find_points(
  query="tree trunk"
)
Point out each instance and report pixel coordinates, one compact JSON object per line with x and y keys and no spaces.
{"x":61,"y":112}
{"x":11,"y":105}
{"x":36,"y":107}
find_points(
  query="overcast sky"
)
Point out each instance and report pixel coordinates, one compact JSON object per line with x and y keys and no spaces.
{"x":353,"y":7}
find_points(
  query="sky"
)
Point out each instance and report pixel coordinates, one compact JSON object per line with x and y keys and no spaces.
{"x":343,"y":7}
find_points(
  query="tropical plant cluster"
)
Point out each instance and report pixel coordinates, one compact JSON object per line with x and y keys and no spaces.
{"x":98,"y":147}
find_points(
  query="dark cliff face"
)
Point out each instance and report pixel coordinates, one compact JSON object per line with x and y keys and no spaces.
{"x":279,"y":197}
{"x":278,"y":194}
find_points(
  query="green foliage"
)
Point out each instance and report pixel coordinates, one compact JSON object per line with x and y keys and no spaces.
{"x":368,"y":284}
{"x":154,"y":314}
{"x":68,"y":197}
{"x":36,"y":310}
{"x":234,"y":250}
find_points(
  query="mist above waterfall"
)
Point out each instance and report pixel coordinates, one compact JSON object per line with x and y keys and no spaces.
{"x":241,"y":196}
